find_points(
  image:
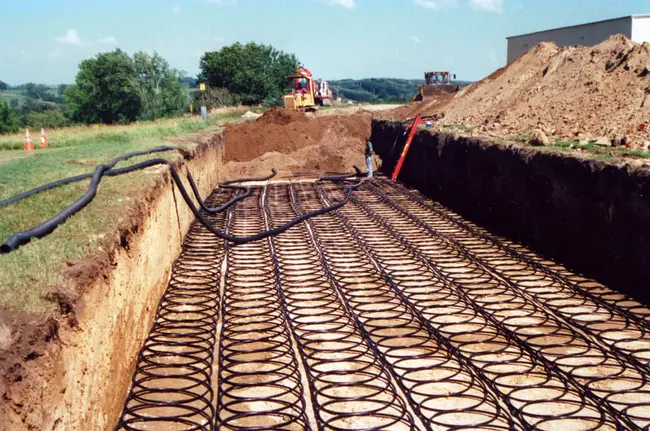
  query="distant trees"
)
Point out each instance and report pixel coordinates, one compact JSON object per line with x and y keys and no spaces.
{"x":256,"y":73}
{"x":3,"y":86}
{"x":9,"y":122}
{"x":115,"y":88}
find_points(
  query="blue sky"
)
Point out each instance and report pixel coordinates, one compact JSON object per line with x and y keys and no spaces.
{"x":44,"y":40}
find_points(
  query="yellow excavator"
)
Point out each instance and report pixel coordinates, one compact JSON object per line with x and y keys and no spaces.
{"x":436,"y":83}
{"x":306,"y":93}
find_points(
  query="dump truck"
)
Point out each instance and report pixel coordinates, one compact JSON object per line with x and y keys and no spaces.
{"x":307,"y":94}
{"x":436,"y":83}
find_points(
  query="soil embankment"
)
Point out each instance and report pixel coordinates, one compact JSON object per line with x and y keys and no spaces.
{"x":573,"y":93}
{"x":73,"y":371}
{"x":295,"y":143}
{"x":590,"y":215}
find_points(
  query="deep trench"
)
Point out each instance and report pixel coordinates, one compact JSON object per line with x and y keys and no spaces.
{"x":391,"y":313}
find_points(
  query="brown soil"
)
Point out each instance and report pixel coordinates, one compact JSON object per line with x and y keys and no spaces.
{"x":572,"y":93}
{"x":294,"y":143}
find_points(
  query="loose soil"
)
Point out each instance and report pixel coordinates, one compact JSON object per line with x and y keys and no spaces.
{"x":296,"y":143}
{"x":572,"y":93}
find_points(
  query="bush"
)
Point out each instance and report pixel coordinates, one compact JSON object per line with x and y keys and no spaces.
{"x":9,"y":122}
{"x":51,"y":119}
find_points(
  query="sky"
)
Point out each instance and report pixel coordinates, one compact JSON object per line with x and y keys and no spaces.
{"x":43,"y":41}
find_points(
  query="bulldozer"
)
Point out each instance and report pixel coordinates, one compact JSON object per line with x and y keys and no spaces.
{"x":436,"y":83}
{"x":307,"y":94}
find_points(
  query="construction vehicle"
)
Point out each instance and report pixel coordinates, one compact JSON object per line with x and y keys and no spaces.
{"x":436,"y":83}
{"x":306,"y":94}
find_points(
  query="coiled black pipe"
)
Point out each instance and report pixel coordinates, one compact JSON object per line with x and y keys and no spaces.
{"x":76,"y":178}
{"x":227,"y":184}
{"x":50,"y":225}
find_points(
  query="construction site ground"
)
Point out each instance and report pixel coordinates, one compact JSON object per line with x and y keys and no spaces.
{"x":392,"y":312}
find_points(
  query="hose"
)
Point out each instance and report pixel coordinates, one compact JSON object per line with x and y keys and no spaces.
{"x":226,"y":184}
{"x":47,"y":227}
{"x":76,"y":178}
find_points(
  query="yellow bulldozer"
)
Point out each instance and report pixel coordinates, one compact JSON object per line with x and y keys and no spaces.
{"x":436,"y":83}
{"x":306,"y":93}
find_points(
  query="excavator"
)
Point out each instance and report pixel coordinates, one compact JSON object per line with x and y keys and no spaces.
{"x":307,"y":94}
{"x":436,"y":83}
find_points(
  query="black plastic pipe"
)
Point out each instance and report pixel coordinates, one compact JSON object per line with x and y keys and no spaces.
{"x":227,"y":184}
{"x":50,"y":225}
{"x":76,"y":178}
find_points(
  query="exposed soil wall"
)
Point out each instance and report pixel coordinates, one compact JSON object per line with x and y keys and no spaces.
{"x":592,"y":216}
{"x":81,"y":377}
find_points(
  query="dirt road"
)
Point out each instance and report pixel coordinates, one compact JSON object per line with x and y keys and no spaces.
{"x":391,"y":313}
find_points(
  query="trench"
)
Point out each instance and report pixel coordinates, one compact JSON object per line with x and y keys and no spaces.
{"x":390,"y":313}
{"x":412,"y":307}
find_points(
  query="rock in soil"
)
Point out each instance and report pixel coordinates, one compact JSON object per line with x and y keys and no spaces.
{"x":539,"y":138}
{"x":603,"y":142}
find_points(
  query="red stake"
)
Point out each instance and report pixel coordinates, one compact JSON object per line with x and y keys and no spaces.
{"x":400,"y":162}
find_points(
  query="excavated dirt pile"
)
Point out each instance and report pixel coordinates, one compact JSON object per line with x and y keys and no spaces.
{"x":293,"y":142}
{"x":573,"y":93}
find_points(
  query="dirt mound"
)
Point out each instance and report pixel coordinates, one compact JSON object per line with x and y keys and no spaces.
{"x":287,"y":132}
{"x":568,"y":93}
{"x":293,"y":143}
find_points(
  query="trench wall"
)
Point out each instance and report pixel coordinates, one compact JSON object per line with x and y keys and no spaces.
{"x":591,"y":216}
{"x":92,"y":369}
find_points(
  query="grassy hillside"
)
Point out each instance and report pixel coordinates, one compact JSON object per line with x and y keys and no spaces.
{"x":379,"y":90}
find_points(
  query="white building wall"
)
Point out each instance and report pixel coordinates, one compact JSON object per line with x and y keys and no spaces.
{"x":641,"y":29}
{"x":586,"y":34}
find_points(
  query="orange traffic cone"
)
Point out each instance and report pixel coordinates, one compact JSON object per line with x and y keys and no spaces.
{"x":43,"y":138}
{"x":29,"y":145}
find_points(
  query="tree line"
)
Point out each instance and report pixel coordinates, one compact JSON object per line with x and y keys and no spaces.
{"x":114,"y":87}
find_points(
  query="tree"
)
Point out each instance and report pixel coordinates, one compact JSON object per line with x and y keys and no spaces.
{"x":253,"y":72}
{"x":9,"y":122}
{"x":160,"y":88}
{"x":105,"y":90}
{"x":3,"y":86}
{"x":36,"y":91}
{"x":62,"y":88}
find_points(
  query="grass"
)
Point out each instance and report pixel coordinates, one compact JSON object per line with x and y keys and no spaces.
{"x":28,"y":273}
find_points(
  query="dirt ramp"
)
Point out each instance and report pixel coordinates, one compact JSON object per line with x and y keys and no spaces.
{"x":295,"y":143}
{"x":285,"y":132}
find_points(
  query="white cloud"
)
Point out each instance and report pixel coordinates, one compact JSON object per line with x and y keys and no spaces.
{"x":414,"y":39}
{"x":109,"y":40}
{"x":70,"y":38}
{"x":487,"y":5}
{"x":435,"y":4}
{"x":177,"y":8}
{"x":345,"y":3}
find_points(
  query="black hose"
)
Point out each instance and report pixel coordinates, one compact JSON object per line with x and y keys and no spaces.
{"x":50,"y":225}
{"x":81,"y":177}
{"x":226,"y":184}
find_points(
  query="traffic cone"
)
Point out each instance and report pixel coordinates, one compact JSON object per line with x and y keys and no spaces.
{"x":29,"y":145}
{"x":43,"y":138}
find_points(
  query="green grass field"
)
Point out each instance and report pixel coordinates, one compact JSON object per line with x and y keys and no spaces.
{"x":27,"y":273}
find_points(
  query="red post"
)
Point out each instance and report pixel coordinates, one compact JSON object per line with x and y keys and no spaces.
{"x":407,"y":145}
